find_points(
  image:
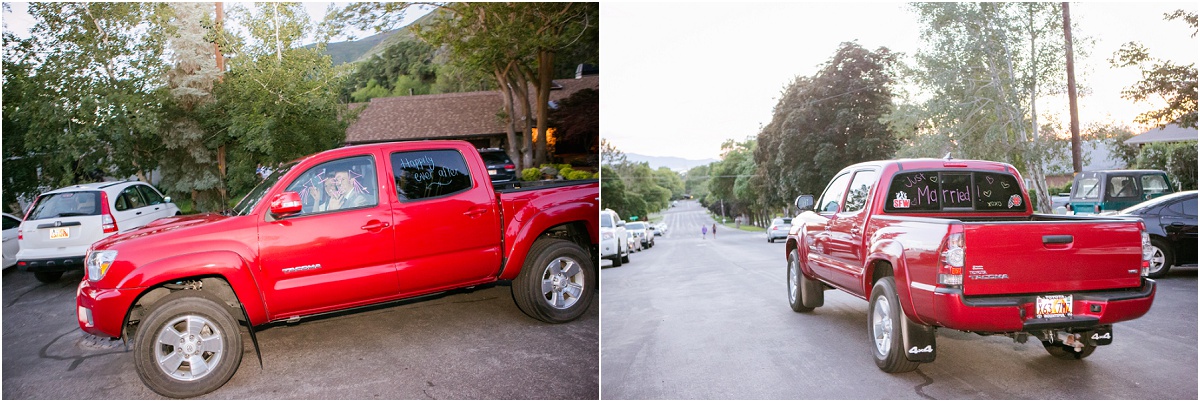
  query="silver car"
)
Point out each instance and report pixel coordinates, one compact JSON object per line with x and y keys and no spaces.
{"x":778,"y":229}
{"x":63,"y":224}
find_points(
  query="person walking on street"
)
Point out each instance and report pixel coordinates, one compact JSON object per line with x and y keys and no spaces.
{"x":703,"y":232}
{"x":714,"y":231}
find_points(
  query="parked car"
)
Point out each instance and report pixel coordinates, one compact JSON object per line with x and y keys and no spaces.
{"x":62,"y":223}
{"x":614,"y":239}
{"x":12,"y":225}
{"x":1096,"y":192}
{"x":638,"y":230}
{"x":500,"y":168}
{"x":1171,"y":222}
{"x":660,"y":228}
{"x":779,"y":229}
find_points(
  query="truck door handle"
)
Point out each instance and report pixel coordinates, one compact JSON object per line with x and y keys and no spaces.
{"x":138,"y":213}
{"x":1058,"y":239}
{"x":475,"y":212}
{"x":375,"y":226}
{"x":854,"y":231}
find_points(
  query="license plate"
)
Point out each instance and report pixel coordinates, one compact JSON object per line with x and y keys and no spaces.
{"x":59,"y":233}
{"x":1056,"y":306}
{"x":491,"y":171}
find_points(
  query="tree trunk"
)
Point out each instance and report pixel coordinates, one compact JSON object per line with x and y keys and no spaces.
{"x":545,"y":70}
{"x":521,"y":90}
{"x":512,"y":149}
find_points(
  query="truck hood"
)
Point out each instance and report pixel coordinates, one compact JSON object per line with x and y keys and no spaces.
{"x":163,"y":225}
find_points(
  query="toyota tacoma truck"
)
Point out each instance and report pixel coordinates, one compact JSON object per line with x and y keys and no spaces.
{"x":337,"y":230}
{"x":955,"y":244}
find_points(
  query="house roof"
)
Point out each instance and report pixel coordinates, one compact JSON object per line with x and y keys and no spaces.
{"x":442,"y":116}
{"x":1170,"y":133}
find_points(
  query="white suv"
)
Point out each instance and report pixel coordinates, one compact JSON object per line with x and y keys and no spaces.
{"x":613,"y":238}
{"x":63,"y":223}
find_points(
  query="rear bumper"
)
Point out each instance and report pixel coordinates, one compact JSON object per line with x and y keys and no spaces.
{"x":1017,"y":313}
{"x":58,"y":264}
{"x":101,"y":312}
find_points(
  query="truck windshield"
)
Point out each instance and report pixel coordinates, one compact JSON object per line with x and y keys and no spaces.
{"x":954,"y":191}
{"x":255,"y":195}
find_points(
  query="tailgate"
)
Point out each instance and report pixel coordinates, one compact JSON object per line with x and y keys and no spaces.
{"x":1051,"y":257}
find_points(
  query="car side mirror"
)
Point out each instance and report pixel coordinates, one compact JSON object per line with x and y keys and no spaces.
{"x":167,"y":199}
{"x":804,"y":202}
{"x":620,"y":224}
{"x":286,"y":203}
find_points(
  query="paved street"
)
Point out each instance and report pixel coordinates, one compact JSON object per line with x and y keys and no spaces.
{"x":709,"y":319}
{"x":461,"y":345}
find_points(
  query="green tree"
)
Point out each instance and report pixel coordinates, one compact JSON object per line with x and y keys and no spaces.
{"x":194,"y":169}
{"x":1178,"y":159}
{"x":1174,"y":83}
{"x":279,"y":101}
{"x":93,"y":90}
{"x":826,"y":122}
{"x":986,"y":65}
{"x":670,"y":180}
{"x":695,"y":181}
{"x":612,"y":191}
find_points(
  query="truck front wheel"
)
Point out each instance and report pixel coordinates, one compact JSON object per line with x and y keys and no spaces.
{"x":557,"y":282}
{"x":803,"y":294}
{"x":189,"y":345}
{"x":883,"y":324}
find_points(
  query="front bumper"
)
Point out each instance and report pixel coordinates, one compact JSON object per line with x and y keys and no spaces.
{"x":102,"y":312}
{"x":1005,"y":314}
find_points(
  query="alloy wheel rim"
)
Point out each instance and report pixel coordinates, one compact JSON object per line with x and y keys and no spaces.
{"x":1157,"y":260}
{"x":881,"y":321}
{"x":188,"y":348}
{"x":793,"y":280}
{"x":562,"y":283}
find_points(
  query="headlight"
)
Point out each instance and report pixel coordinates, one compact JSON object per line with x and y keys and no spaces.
{"x":606,"y":235}
{"x":98,"y":262}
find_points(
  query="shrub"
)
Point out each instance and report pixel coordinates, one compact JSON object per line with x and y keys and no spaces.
{"x":578,"y":175}
{"x":531,"y":174}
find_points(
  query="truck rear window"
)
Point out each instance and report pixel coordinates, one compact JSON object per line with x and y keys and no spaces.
{"x":954,"y":191}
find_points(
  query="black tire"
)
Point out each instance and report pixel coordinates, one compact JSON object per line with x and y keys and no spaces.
{"x":770,"y":239}
{"x":175,"y":315}
{"x":1162,"y":259}
{"x":625,"y":258}
{"x":800,"y":288}
{"x":566,"y":271}
{"x":1066,"y":352}
{"x":618,"y":260}
{"x":884,"y":328}
{"x":48,"y":277}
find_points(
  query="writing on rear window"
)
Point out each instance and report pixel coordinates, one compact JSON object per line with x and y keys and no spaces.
{"x":934,"y":191}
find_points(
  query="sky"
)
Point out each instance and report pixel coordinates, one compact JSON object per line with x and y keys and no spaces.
{"x":681,"y":78}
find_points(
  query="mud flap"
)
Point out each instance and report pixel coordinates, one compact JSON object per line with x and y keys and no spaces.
{"x":920,"y":341}
{"x":1101,"y":336}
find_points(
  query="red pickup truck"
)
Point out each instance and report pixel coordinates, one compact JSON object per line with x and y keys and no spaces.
{"x":955,"y":244}
{"x":337,"y":230}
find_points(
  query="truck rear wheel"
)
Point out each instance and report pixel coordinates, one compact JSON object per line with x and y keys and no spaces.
{"x":1067,"y":352}
{"x":803,"y":294}
{"x":189,"y":345}
{"x":884,"y":326}
{"x":557,"y":283}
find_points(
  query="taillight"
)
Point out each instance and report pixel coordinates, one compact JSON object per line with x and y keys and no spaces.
{"x":510,"y":166}
{"x":20,"y":235}
{"x":107,"y":221}
{"x":774,"y":227}
{"x":1147,"y":250}
{"x":1097,"y":208}
{"x":953,"y":255}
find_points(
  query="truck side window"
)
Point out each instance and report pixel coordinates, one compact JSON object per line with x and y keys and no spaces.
{"x":1153,"y":184}
{"x":336,"y":185}
{"x":1121,"y":187}
{"x":832,"y":199}
{"x":860,"y":189}
{"x":422,"y":175}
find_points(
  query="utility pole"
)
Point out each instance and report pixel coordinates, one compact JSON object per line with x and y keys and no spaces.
{"x":220,"y":28}
{"x":1076,"y":151}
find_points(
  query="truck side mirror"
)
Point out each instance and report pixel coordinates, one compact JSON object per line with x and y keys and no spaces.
{"x":286,"y":203}
{"x":804,"y":202}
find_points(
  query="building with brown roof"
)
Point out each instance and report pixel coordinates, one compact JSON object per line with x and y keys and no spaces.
{"x":469,"y":116}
